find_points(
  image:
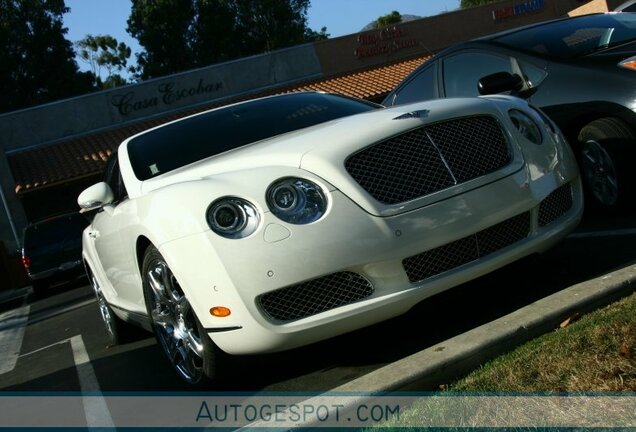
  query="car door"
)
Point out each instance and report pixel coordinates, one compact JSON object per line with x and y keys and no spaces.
{"x":105,"y":231}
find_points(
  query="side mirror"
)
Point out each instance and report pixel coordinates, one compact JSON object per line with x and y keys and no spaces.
{"x":499,"y":82}
{"x":96,"y":196}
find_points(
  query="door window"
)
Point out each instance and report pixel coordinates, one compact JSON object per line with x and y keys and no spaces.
{"x":463,"y":71}
{"x":112,"y":176}
{"x":421,"y":87}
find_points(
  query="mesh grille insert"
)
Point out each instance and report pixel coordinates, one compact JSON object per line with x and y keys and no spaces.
{"x":472,"y":147}
{"x":555,"y":205}
{"x":400,"y":169}
{"x":467,"y":249}
{"x":314,"y":296}
{"x":430,"y":159}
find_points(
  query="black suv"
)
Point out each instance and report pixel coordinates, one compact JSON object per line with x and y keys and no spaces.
{"x":52,"y":249}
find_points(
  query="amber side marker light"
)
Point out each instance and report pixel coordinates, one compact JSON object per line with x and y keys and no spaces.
{"x":629,"y":63}
{"x":220,"y":311}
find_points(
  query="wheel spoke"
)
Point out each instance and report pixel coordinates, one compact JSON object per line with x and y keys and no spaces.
{"x":194,"y":344}
{"x":589,"y":158}
{"x":155,"y":280}
{"x":600,"y":173}
{"x":188,"y":365}
{"x":183,"y":306}
{"x":161,"y":318}
{"x":174,"y":290}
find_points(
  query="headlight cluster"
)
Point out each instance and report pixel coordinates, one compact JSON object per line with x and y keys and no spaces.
{"x":296,"y":201}
{"x":232,"y":217}
{"x":526,"y":126}
{"x":293,"y":200}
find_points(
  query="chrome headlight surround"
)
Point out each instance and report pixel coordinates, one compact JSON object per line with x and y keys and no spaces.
{"x":550,"y":126}
{"x":232,"y":217}
{"x":526,"y":126}
{"x":296,"y":201}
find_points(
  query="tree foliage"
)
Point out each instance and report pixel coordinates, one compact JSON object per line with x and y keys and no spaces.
{"x":388,"y":20}
{"x":37,"y":62}
{"x":471,"y":3}
{"x":104,"y":52}
{"x":182,"y":34}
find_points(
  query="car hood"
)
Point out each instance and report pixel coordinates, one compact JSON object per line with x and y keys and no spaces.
{"x":324,"y":148}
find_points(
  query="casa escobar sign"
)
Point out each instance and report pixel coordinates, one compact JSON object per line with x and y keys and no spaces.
{"x":164,"y":94}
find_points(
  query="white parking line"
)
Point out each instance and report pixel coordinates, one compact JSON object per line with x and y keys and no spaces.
{"x":608,"y":233}
{"x":12,"y":326}
{"x":95,"y":407}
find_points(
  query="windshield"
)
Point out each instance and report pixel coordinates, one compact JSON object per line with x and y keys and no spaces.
{"x":192,"y":139}
{"x":574,"y":37}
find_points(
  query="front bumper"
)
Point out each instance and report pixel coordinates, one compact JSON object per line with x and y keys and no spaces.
{"x":214,"y":271}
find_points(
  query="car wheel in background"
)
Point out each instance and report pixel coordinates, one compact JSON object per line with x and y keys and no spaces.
{"x":177,"y":329}
{"x":607,"y":147}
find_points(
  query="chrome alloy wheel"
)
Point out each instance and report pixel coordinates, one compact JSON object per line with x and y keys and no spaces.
{"x":104,"y":309}
{"x":599,"y":172}
{"x":174,"y":322}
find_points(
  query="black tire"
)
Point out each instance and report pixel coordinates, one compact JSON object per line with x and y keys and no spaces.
{"x":605,"y":158}
{"x":189,"y":350}
{"x":117,"y":331}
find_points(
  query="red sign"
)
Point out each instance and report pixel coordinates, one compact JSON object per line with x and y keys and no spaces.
{"x":383,"y":42}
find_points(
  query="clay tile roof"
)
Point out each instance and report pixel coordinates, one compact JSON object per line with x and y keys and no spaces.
{"x":83,"y":156}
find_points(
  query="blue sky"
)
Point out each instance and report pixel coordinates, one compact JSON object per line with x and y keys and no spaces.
{"x":341,"y":17}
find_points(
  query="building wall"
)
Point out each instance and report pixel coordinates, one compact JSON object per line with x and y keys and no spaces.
{"x":96,"y":111}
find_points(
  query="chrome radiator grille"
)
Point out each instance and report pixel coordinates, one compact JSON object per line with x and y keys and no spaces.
{"x":314,"y":296}
{"x":555,"y":205}
{"x":430,"y":159}
{"x":467,"y":249}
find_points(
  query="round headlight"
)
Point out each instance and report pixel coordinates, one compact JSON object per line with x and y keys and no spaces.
{"x":232,"y":217}
{"x":526,"y":126}
{"x":284,"y":197}
{"x":296,"y":201}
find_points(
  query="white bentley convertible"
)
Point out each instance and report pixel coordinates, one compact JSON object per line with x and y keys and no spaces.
{"x":282,"y":221}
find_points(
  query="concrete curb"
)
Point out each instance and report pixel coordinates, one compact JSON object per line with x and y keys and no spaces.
{"x":452,"y":358}
{"x":448,"y":360}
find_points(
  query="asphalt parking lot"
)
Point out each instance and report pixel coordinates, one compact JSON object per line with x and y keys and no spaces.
{"x":56,"y":342}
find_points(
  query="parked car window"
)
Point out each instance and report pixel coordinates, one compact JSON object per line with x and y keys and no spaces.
{"x":421,"y":87}
{"x":112,"y":176}
{"x":218,"y":131}
{"x":574,"y":38}
{"x":52,"y":249}
{"x":42,"y":235}
{"x":463,"y":71}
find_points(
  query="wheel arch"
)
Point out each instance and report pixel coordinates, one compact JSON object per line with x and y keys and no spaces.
{"x":141,"y":246}
{"x":572,"y":119}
